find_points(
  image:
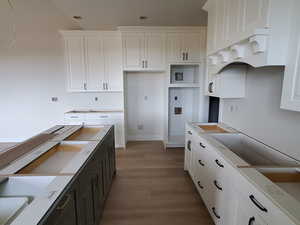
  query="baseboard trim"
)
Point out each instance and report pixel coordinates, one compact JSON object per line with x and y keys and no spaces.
{"x":144,"y":138}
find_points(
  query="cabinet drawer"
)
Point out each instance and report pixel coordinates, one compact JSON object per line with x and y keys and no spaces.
{"x":75,"y":116}
{"x":260,"y":204}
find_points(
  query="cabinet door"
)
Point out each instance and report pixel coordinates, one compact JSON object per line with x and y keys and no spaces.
{"x":221,"y":25}
{"x":212,"y":27}
{"x":64,"y":213}
{"x":291,"y":84}
{"x":235,"y":20}
{"x":193,"y":46}
{"x":112,"y":45}
{"x":155,"y":51}
{"x":246,"y":216}
{"x":174,"y":47}
{"x":94,"y":63}
{"x":75,"y":63}
{"x":255,"y":15}
{"x":133,"y":50}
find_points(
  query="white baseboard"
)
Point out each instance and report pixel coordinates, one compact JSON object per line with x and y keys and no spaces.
{"x":144,"y":138}
{"x":174,"y":145}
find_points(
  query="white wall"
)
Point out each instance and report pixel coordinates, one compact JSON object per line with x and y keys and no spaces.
{"x":145,"y":105}
{"x":259,"y":114}
{"x":33,"y":71}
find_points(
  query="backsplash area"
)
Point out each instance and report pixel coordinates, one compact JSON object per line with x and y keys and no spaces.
{"x":259,"y":114}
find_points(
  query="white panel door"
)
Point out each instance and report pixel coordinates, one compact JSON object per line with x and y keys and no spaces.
{"x":75,"y":63}
{"x":174,"y":47}
{"x":94,"y":63}
{"x":133,"y":50}
{"x":291,"y":84}
{"x":112,"y":46}
{"x":155,"y":51}
{"x":255,"y":15}
{"x":193,"y":46}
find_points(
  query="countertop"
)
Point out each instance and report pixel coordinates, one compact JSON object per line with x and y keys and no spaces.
{"x":94,"y":111}
{"x":34,"y":212}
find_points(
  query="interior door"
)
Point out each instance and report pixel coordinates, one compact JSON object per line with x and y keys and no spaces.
{"x":133,"y":50}
{"x":174,"y":47}
{"x":155,"y":51}
{"x":112,"y":45}
{"x":94,"y":63}
{"x":75,"y":63}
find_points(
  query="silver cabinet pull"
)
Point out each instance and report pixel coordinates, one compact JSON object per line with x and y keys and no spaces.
{"x":84,"y":86}
{"x":106,"y":86}
{"x":103,"y":86}
{"x":146,"y":63}
{"x":183,"y":56}
{"x":187,"y":56}
{"x":143,"y":64}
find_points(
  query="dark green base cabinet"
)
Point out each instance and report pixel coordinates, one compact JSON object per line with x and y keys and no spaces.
{"x":82,"y":201}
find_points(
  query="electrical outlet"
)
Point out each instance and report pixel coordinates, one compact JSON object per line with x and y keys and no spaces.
{"x":140,"y":127}
{"x":54,"y":99}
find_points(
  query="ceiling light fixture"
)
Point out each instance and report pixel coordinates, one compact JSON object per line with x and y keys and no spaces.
{"x":143,"y":17}
{"x":77,"y":17}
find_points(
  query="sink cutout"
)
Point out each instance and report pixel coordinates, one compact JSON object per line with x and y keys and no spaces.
{"x":254,"y":152}
{"x":85,"y":134}
{"x":287,"y":179}
{"x":212,"y":129}
{"x":54,"y":160}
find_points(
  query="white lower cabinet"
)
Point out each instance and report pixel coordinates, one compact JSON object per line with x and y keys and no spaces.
{"x":114,"y":118}
{"x":230,"y":198}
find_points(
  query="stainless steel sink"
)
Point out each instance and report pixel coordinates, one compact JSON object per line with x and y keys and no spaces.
{"x":254,"y":152}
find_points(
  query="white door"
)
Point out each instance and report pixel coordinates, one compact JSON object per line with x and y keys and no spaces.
{"x":94,"y":63}
{"x":174,"y":47}
{"x":75,"y":63}
{"x":193,"y":46}
{"x":112,"y":45}
{"x":212,"y":27}
{"x":133,"y":50}
{"x":291,"y":84}
{"x":155,"y":51}
{"x":255,"y":15}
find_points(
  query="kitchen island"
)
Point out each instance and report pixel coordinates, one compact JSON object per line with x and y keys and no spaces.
{"x":65,"y":180}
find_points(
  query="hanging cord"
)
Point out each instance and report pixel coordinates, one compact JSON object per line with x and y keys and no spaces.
{"x":13,"y":25}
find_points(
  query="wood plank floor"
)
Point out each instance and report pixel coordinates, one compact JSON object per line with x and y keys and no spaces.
{"x":151,"y":188}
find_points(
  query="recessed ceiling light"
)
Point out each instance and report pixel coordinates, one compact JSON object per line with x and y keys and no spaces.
{"x":143,"y":17}
{"x":77,"y":17}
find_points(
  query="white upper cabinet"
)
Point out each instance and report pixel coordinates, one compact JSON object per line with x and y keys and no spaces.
{"x":95,"y":75}
{"x":291,"y":84}
{"x":144,"y":51}
{"x":75,"y":63}
{"x":94,"y":61}
{"x":113,"y":61}
{"x":186,"y":47}
{"x":133,"y":50}
{"x":255,"y":32}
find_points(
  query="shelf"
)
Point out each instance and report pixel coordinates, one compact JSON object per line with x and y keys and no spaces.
{"x":184,"y":85}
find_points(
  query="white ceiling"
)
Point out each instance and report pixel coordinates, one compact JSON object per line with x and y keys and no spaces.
{"x":108,"y":14}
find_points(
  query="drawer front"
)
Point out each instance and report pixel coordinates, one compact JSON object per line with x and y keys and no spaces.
{"x":260,"y":204}
{"x":75,"y":116}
